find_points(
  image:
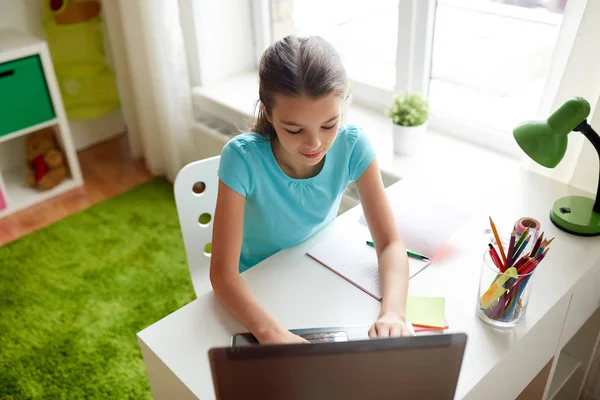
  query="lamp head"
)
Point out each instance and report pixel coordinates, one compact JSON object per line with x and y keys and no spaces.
{"x":545,"y":141}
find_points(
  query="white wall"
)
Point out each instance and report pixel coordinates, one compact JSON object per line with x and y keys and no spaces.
{"x":26,"y":16}
{"x":575,"y":72}
{"x":217,"y":31}
{"x":22,"y":15}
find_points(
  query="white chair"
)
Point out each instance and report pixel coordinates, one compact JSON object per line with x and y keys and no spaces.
{"x":195,"y":188}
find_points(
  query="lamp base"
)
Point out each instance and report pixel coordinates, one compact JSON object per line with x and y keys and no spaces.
{"x":575,"y":215}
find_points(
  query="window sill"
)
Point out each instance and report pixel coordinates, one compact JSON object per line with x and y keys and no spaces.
{"x":234,"y":101}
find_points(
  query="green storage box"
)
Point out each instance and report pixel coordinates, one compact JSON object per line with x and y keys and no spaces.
{"x":24,"y":96}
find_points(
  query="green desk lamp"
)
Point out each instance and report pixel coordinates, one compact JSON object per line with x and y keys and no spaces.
{"x":545,"y":142}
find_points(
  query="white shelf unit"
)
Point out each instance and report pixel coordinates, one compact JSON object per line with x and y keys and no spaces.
{"x":13,"y":169}
{"x":566,"y":368}
{"x":574,"y":362}
{"x":28,"y":130}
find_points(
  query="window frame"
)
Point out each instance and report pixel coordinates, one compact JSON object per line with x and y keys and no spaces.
{"x":416,"y":23}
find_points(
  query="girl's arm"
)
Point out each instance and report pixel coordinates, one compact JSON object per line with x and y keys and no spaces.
{"x":228,"y":285}
{"x":391,"y":255}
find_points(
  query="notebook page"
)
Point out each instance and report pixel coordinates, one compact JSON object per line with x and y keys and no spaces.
{"x":425,"y":222}
{"x":348,"y":255}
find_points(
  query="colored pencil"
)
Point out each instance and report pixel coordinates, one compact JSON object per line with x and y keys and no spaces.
{"x":509,"y":307}
{"x":520,"y":250}
{"x":517,"y":295}
{"x":543,"y":247}
{"x":511,"y":250}
{"x":537,"y":245}
{"x":528,"y":267}
{"x":522,"y":239}
{"x":522,"y":261}
{"x":541,"y":256}
{"x":540,"y":250}
{"x":498,"y":241}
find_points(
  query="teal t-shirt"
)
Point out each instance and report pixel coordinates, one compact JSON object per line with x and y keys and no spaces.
{"x":280,"y":211}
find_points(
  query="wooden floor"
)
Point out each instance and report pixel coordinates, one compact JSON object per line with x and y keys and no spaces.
{"x":107,"y":170}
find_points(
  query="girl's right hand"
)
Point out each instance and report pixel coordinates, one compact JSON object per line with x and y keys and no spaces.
{"x":282,"y":337}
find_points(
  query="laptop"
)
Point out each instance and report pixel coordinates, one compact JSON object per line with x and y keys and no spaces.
{"x":418,"y":367}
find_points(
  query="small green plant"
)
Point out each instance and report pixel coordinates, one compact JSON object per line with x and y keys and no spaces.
{"x":408,"y":109}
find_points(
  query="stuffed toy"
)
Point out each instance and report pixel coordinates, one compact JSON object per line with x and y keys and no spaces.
{"x":45,"y":160}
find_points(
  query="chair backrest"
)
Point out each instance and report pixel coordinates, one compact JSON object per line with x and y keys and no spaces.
{"x":196,"y":187}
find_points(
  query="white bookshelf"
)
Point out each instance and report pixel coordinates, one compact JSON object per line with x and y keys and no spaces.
{"x":566,"y":368}
{"x":574,"y":361}
{"x":28,"y":130}
{"x":17,"y":195}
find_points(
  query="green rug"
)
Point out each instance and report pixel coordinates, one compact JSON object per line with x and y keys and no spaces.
{"x":74,"y":295}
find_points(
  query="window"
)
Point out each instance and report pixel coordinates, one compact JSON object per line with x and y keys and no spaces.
{"x":482,"y":63}
{"x":491,"y":58}
{"x":364,"y":33}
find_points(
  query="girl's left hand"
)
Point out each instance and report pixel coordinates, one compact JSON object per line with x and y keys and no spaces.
{"x":390,"y":325}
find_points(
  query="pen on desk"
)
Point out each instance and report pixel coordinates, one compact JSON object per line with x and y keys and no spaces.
{"x":410,"y":253}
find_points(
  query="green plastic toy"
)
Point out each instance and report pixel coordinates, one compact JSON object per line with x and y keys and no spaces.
{"x":76,"y":42}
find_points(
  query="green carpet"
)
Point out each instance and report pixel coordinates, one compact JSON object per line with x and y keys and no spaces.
{"x":74,"y":295}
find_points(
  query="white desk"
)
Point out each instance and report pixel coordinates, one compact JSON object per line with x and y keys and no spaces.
{"x":301,"y":293}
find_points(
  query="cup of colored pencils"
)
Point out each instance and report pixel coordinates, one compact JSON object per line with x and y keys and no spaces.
{"x":506,"y":276}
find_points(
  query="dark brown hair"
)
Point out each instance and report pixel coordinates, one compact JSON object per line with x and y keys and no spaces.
{"x":296,"y":66}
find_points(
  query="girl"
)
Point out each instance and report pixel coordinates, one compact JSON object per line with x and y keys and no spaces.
{"x":283,"y":182}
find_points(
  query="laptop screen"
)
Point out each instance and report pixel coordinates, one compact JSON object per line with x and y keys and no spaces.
{"x":425,"y":367}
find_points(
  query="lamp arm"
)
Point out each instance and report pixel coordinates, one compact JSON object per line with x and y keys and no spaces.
{"x":594,"y":138}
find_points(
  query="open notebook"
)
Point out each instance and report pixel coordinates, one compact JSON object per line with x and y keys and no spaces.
{"x":425,"y":220}
{"x":348,"y":255}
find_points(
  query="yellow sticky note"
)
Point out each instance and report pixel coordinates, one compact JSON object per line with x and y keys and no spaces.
{"x":426,"y":311}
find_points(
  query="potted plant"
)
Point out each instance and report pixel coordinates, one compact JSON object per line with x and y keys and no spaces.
{"x":409,"y":113}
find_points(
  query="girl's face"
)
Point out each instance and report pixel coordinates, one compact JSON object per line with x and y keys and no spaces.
{"x":306,"y":128}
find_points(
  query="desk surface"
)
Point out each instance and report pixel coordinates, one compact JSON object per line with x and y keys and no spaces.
{"x":301,"y":293}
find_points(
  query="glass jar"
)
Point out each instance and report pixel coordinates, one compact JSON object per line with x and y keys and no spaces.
{"x":502,"y":296}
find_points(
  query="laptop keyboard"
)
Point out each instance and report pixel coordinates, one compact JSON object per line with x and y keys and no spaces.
{"x":322,"y":337}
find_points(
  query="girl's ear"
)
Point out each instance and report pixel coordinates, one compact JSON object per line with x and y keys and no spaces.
{"x":266,"y":114}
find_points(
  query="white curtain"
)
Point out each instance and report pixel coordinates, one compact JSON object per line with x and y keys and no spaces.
{"x":575,"y":71}
{"x":151,"y":67}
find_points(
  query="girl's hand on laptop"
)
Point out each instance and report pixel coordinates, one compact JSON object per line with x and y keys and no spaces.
{"x":281,"y":337}
{"x":390,"y":325}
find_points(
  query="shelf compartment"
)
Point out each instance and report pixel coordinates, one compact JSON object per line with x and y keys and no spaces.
{"x":566,"y":368}
{"x":21,"y":196}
